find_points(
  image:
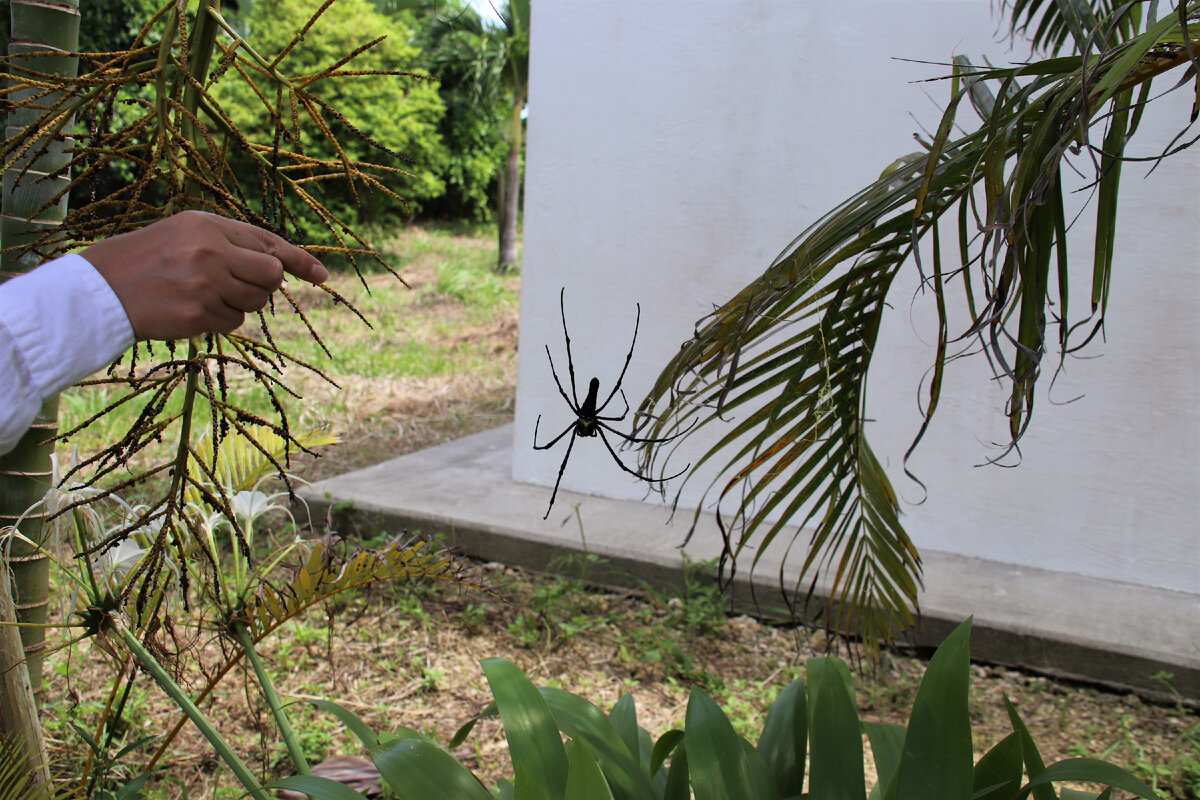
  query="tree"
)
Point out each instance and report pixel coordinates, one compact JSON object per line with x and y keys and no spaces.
{"x":493,"y":63}
{"x":791,"y":351}
{"x":474,"y":124}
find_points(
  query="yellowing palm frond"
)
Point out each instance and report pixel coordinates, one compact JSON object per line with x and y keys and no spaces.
{"x":324,"y":575}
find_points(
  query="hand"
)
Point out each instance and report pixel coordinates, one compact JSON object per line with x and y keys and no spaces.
{"x":196,"y":273}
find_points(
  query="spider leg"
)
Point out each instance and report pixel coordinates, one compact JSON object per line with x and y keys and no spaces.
{"x":634,"y":472}
{"x":562,"y":310}
{"x":628,"y":358}
{"x":631,"y":439}
{"x":561,"y":469}
{"x":625,"y":400}
{"x":574,"y":406}
{"x":555,"y":440}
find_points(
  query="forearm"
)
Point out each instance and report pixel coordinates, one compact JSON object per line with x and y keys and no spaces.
{"x":58,"y":324}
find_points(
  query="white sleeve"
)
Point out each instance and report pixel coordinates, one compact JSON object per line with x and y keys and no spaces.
{"x":59,"y":323}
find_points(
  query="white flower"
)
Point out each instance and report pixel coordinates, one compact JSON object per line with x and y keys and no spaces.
{"x":116,"y":562}
{"x":248,"y":506}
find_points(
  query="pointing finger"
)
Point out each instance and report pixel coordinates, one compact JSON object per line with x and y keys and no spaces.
{"x":294,"y":260}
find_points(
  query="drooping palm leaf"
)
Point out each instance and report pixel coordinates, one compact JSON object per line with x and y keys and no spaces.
{"x":1049,"y":24}
{"x":782,"y":366}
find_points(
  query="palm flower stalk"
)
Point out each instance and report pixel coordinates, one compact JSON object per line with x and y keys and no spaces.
{"x":154,"y":108}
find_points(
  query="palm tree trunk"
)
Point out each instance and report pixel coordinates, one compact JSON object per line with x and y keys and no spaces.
{"x":25,"y":471}
{"x":510,"y":206}
{"x":21,"y":739}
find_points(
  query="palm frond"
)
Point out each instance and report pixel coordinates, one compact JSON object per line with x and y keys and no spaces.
{"x":324,"y":575}
{"x":1049,"y":24}
{"x":790,"y":353}
{"x":16,"y":775}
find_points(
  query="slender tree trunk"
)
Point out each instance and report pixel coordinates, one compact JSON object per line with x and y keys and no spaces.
{"x":20,"y":731}
{"x":510,"y":205}
{"x":51,"y":25}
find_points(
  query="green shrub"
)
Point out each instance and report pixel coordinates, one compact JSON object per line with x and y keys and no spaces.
{"x":812,"y":727}
{"x":470,"y":283}
{"x":400,"y":113}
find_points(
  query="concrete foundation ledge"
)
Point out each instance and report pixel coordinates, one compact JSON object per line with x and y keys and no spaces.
{"x":1062,"y":624}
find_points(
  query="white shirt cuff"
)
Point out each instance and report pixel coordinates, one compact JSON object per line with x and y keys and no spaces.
{"x":66,"y":320}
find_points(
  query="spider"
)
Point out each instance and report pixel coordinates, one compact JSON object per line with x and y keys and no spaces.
{"x":589,"y":420}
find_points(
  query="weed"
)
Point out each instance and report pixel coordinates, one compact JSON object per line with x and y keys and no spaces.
{"x":473,"y":618}
{"x":700,"y":607}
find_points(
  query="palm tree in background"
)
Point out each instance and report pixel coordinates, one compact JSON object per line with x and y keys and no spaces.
{"x":492,"y":63}
{"x":790,"y":353}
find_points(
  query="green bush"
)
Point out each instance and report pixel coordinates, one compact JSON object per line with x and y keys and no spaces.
{"x":813,"y":726}
{"x":401,"y":113}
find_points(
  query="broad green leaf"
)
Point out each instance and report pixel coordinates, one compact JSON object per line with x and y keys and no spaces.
{"x":937,"y":756}
{"x":666,"y":744}
{"x":997,"y":775}
{"x":464,"y":731}
{"x":417,"y":769}
{"x":525,"y":786}
{"x":1075,"y":794}
{"x":887,"y":742}
{"x":585,"y":781}
{"x":1090,"y":770}
{"x":579,"y":719}
{"x":350,"y":720}
{"x":624,"y":718}
{"x":722,"y":765}
{"x":401,"y":732}
{"x":529,"y":726}
{"x":317,"y":788}
{"x":678,"y":777}
{"x":784,"y":741}
{"x":1029,"y":752}
{"x":835,"y":768}
{"x":645,"y":752}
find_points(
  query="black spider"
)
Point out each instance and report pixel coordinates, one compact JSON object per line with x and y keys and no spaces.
{"x":588,"y":418}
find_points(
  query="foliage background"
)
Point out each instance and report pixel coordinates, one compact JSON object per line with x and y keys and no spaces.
{"x":403,"y":114}
{"x":444,"y":132}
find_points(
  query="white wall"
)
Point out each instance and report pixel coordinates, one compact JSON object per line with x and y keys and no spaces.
{"x":676,"y":146}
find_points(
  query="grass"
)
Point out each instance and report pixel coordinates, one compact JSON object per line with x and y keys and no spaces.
{"x":440,"y":363}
